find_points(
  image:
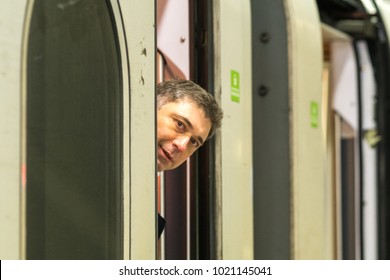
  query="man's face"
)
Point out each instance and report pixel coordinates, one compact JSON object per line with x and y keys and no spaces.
{"x":181,"y":129}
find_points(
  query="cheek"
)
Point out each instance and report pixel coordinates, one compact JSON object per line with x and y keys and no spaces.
{"x":164,"y":134}
{"x":162,"y":130}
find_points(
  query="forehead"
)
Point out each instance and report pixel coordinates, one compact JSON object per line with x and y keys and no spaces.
{"x":181,"y":105}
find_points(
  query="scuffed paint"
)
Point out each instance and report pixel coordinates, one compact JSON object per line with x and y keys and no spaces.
{"x":63,"y":6}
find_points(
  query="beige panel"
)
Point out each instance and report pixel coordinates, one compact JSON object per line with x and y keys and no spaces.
{"x":218,"y":150}
{"x":311,"y":202}
{"x":139,"y":24}
{"x":126,"y":129}
{"x":236,"y":134}
{"x":12,"y":24}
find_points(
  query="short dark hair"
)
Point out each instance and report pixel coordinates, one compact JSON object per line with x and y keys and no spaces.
{"x":174,"y":90}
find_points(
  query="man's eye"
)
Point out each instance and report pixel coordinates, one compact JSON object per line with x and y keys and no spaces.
{"x":180,"y":124}
{"x":194,"y":142}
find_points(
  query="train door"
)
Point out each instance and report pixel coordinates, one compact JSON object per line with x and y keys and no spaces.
{"x":234,"y":164}
{"x":291,"y":205}
{"x":138,"y":18}
{"x":85,"y":166}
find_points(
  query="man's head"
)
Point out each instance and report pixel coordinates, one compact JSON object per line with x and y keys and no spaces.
{"x":187,"y":116}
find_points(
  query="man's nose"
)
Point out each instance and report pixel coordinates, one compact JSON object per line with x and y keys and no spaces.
{"x":181,"y":142}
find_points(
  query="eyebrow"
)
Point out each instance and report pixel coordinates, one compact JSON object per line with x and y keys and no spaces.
{"x":189,"y":124}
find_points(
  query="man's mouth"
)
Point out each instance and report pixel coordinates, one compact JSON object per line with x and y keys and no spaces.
{"x":167,"y":154}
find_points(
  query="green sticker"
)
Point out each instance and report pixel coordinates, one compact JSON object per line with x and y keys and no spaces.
{"x":234,"y":86}
{"x":314,"y":114}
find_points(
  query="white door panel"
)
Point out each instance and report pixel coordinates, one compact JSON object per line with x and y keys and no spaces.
{"x":236,"y":135}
